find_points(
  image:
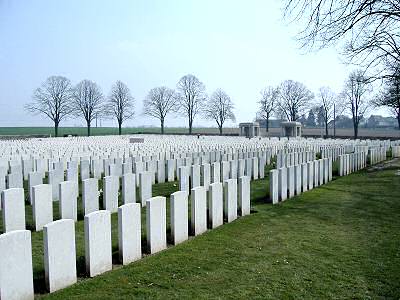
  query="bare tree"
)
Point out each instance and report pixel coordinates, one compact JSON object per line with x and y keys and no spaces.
{"x":390,"y":96}
{"x":159,"y":102}
{"x":294,"y":98}
{"x":120,"y":104}
{"x":88,"y":101}
{"x":52,"y":99}
{"x":192,"y":97}
{"x":369,"y":29}
{"x":326,"y":100}
{"x":269,"y":98}
{"x":355,"y":93}
{"x":219,"y":108}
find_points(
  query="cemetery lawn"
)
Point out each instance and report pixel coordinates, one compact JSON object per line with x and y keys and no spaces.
{"x":341,"y":240}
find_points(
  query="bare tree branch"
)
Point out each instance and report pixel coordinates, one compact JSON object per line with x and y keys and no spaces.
{"x":368,"y":28}
{"x":326,"y":99}
{"x":390,"y":96}
{"x":192,"y":97}
{"x":357,"y":88}
{"x":87,"y":101}
{"x":120,"y":104}
{"x":53,"y":100}
{"x":159,"y":102}
{"x":269,"y":99}
{"x":294,"y":99}
{"x":219,"y":108}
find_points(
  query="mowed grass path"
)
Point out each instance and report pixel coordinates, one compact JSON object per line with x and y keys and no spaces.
{"x":340,"y":240}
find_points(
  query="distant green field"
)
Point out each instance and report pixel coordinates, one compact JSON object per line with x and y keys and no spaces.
{"x":82,"y":131}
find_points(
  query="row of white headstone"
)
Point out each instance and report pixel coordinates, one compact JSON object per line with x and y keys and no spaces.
{"x":349,"y":163}
{"x":396,"y":151}
{"x":286,"y":182}
{"x":16,"y":276}
{"x":42,"y":195}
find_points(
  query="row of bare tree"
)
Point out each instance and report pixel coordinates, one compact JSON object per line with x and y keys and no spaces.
{"x":291,"y":99}
{"x":58,"y":99}
{"x":367,"y":32}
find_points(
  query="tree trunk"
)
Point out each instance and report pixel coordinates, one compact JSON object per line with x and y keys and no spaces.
{"x":119,"y":128}
{"x":398,"y":121}
{"x":326,"y":130}
{"x":88,"y":128}
{"x":56,"y":129}
{"x":220,"y":130}
{"x":162,"y":126}
{"x":267,"y":124}
{"x":190,"y":126}
{"x":355,"y":125}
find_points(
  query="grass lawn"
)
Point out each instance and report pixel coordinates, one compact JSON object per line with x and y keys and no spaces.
{"x":340,"y":240}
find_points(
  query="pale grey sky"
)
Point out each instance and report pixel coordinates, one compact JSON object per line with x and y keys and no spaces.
{"x":239,"y":46}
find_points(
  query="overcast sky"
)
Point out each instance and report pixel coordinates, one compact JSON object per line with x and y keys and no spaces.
{"x":239,"y":46}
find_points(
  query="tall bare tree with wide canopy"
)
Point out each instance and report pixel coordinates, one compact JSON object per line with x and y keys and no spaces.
{"x":88,"y":101}
{"x":369,"y":29}
{"x":52,"y":99}
{"x":294,"y":99}
{"x":159,"y":102}
{"x":219,"y":108}
{"x":268,"y":102}
{"x":356,"y":90}
{"x":120,"y":104}
{"x":192,"y":97}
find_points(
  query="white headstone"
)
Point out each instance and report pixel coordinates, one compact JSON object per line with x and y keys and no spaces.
{"x":230,"y":199}
{"x":59,"y":254}
{"x":16,"y":274}
{"x":129,"y":233}
{"x":216,"y":204}
{"x":244,"y":195}
{"x":198,"y":206}
{"x":13,"y":209}
{"x":98,"y":252}
{"x":42,"y":205}
{"x":90,"y":195}
{"x":179,"y":217}
{"x":156,"y":224}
